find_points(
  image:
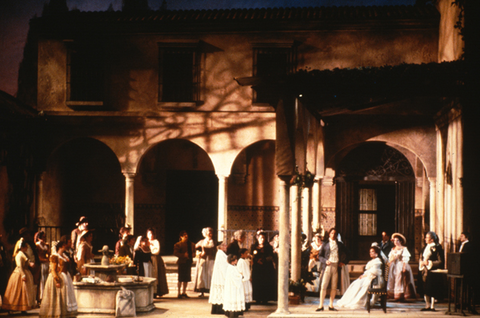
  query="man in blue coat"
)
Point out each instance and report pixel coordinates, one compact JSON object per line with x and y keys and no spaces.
{"x":333,"y":255}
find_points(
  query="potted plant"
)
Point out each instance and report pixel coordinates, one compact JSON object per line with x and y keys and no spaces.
{"x":297,"y":291}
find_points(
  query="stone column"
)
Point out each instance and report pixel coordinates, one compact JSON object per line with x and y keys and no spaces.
{"x":433,"y":199}
{"x":306,"y":215}
{"x":39,"y":197}
{"x":284,"y":249}
{"x":296,"y":232}
{"x":222,"y":206}
{"x":129,"y":200}
{"x":316,"y":195}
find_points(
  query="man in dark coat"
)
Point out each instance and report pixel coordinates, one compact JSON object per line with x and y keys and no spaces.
{"x":333,"y":255}
{"x":386,"y":244}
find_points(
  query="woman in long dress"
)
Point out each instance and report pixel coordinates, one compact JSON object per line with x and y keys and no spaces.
{"x":355,"y":296}
{"x":264,"y":275}
{"x":206,"y":260}
{"x":59,"y":297}
{"x":158,"y":266}
{"x":400,"y":277}
{"x":65,"y":257}
{"x":43,"y":251}
{"x":20,"y":292}
{"x":143,"y":257}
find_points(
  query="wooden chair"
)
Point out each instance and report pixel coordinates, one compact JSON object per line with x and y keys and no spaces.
{"x":377,"y":288}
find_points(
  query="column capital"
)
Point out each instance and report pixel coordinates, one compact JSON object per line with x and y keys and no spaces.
{"x":129,"y":174}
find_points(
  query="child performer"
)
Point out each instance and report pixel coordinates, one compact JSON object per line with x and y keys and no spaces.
{"x":244,"y":267}
{"x":233,"y":292}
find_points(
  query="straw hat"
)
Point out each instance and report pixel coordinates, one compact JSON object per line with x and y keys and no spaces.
{"x":399,"y":236}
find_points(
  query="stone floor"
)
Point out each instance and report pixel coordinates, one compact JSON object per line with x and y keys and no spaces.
{"x":172,"y":307}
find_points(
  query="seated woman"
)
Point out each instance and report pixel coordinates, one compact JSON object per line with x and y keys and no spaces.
{"x":356,"y":294}
{"x":400,"y":276}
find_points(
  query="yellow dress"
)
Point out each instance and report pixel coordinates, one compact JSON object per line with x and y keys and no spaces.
{"x":20,"y":294}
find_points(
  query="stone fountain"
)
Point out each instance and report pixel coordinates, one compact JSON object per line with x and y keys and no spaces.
{"x":97,"y":294}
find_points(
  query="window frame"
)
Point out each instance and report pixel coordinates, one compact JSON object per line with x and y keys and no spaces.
{"x":193,"y":47}
{"x":98,"y":68}
{"x":263,"y":48}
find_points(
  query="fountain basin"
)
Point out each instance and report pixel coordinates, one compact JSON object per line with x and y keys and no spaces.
{"x":100,"y":297}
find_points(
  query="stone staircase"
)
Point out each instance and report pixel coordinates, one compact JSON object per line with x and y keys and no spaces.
{"x":172,"y":276}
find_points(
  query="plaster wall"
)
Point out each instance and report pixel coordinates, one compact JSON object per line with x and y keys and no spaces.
{"x":131,"y":62}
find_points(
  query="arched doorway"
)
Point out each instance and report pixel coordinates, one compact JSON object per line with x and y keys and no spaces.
{"x":252,"y":190}
{"x":375,"y":192}
{"x":83,"y":178}
{"x":175,"y":189}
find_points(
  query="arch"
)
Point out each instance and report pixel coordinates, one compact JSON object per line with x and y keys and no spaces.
{"x":383,"y":179}
{"x":83,"y":178}
{"x":253,"y":187}
{"x":175,"y":189}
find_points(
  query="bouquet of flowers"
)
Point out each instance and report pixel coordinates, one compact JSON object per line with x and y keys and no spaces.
{"x":119,"y":260}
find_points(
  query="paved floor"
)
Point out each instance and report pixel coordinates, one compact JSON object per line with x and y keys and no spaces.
{"x":172,"y":307}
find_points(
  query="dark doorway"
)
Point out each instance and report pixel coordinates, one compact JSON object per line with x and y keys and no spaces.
{"x":191,"y":204}
{"x":382,"y":173}
{"x":384,"y":215}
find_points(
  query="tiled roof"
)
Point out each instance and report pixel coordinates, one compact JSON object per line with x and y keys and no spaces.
{"x":271,"y":14}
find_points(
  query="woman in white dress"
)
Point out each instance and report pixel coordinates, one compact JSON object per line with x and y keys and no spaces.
{"x":206,"y":260}
{"x":158,"y":265}
{"x":355,"y":296}
{"x":400,"y":277}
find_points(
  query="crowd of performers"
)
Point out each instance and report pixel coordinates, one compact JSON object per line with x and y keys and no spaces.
{"x":234,"y":277}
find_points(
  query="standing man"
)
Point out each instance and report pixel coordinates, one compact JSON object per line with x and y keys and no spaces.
{"x":431,"y":283}
{"x":465,"y":246}
{"x":82,"y":225}
{"x":185,"y":251}
{"x":333,"y":255}
{"x":386,"y":244}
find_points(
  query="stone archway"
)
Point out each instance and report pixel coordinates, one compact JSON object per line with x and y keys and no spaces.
{"x":83,"y":178}
{"x":175,"y":189}
{"x":375,"y":192}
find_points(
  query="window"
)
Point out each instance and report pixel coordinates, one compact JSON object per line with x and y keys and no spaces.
{"x":367,"y":218}
{"x":179,"y":72}
{"x":85,"y":75}
{"x":272,"y":60}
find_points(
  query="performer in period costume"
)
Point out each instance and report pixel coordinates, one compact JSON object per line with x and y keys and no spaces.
{"x":233,"y":292}
{"x":334,"y":255}
{"x":159,"y":271}
{"x":185,"y":251}
{"x":355,"y":296}
{"x":218,"y":280}
{"x":43,"y":251}
{"x":206,"y":259}
{"x":237,"y":243}
{"x":59,"y":297}
{"x":20,"y":292}
{"x":34,"y":263}
{"x":143,"y":257}
{"x":314,"y":264}
{"x":385,"y":244}
{"x":122,"y":235}
{"x":85,"y":252}
{"x":401,"y":285}
{"x":82,"y":226}
{"x":244,"y":267}
{"x":264,"y":274}
{"x":430,"y":283}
